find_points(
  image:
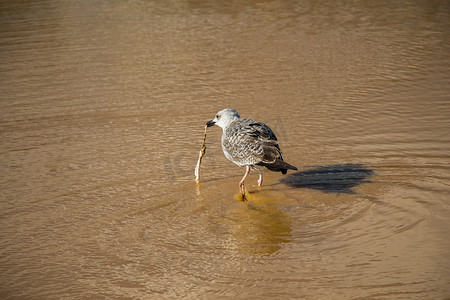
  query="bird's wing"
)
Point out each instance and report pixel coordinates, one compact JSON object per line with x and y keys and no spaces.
{"x":250,"y":142}
{"x":260,"y":131}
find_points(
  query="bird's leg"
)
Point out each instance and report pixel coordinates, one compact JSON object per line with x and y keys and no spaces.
{"x":260,"y":180}
{"x":241,"y":183}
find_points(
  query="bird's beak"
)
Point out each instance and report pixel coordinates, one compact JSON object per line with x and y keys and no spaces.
{"x":210,"y":123}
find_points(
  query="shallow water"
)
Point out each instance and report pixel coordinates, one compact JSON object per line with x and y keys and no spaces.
{"x":102,"y":112}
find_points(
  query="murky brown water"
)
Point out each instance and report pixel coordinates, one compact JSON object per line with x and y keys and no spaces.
{"x":102,"y":112}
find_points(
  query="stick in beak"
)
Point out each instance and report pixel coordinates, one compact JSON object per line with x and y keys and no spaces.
{"x":201,"y":153}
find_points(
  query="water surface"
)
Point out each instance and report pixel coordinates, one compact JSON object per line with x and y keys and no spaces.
{"x":102,"y":109}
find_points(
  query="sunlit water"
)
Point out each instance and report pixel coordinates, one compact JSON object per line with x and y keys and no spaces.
{"x":102,"y":109}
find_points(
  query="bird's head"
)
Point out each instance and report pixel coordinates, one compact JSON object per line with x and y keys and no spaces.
{"x":223,"y":118}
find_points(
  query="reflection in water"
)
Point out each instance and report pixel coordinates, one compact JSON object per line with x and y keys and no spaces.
{"x":332,"y":178}
{"x":258,"y":225}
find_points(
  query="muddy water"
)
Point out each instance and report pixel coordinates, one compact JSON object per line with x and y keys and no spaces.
{"x":102,"y":109}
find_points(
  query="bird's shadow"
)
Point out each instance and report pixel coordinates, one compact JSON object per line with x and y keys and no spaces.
{"x":339,"y":178}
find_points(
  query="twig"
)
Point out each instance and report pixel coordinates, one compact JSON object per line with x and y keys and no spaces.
{"x":200,"y":155}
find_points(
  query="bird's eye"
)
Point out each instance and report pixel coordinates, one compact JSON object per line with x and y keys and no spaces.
{"x":217,"y":117}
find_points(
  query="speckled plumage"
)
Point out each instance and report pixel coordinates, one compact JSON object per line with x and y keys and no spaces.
{"x":248,"y":143}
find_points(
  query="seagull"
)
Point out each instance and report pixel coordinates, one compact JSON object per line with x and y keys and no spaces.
{"x":249,"y":143}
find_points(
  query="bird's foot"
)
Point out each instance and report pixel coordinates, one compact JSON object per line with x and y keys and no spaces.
{"x":242,"y":194}
{"x":260,"y":179}
{"x":243,"y":197}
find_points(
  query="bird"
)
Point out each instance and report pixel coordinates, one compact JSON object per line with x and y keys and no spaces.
{"x":249,"y":144}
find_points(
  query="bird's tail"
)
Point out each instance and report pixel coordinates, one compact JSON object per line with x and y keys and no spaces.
{"x":278,"y":166}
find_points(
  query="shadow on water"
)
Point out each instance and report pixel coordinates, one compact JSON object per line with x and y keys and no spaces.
{"x":330,"y":179}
